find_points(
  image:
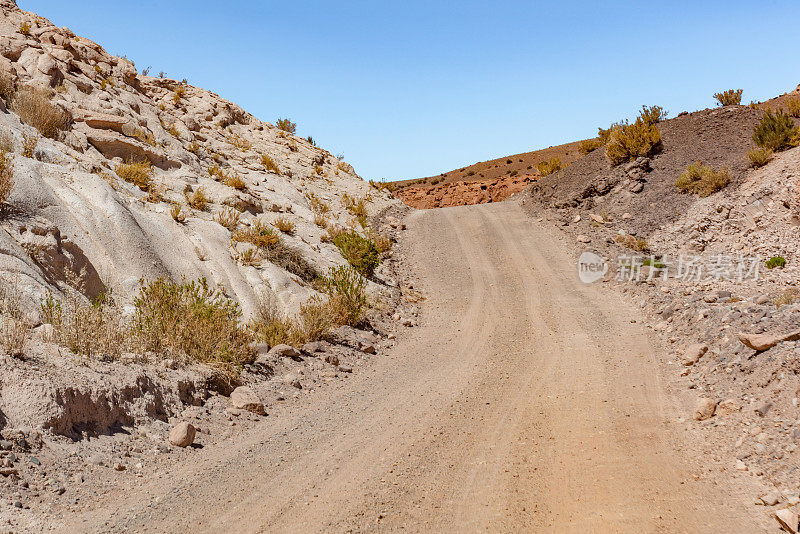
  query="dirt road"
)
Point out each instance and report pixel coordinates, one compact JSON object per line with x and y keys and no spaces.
{"x":524,"y":401}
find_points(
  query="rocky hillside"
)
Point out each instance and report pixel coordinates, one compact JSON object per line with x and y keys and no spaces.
{"x":112,"y":181}
{"x":77,"y":212}
{"x":717,"y":277}
{"x":486,"y":181}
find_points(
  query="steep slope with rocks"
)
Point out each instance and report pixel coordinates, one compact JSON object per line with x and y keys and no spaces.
{"x":132,"y":179}
{"x":697,"y":267}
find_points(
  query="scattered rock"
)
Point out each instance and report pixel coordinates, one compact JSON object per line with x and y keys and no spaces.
{"x":762,"y":409}
{"x":740,"y":466}
{"x":693,"y":353}
{"x":770,"y":499}
{"x":345,"y":369}
{"x":284,"y":350}
{"x":182,"y":434}
{"x":761,"y":342}
{"x":245,"y":398}
{"x":762,"y":299}
{"x":597,"y":218}
{"x":787,"y":519}
{"x":582,"y":238}
{"x":367,"y":348}
{"x":705,"y":409}
{"x":728,"y":407}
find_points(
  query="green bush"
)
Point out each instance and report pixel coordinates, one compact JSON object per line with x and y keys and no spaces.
{"x":360,"y":252}
{"x":776,"y":132}
{"x":630,"y":141}
{"x":346,"y":290}
{"x":702,"y":179}
{"x":653,"y":114}
{"x":192,"y":320}
{"x":731,"y":97}
{"x":776,"y":261}
{"x":759,"y":156}
{"x":589,"y":145}
{"x":547,"y":168}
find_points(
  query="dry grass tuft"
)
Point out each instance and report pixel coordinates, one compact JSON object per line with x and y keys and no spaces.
{"x":790,"y":296}
{"x":35,"y":109}
{"x":632,"y":242}
{"x":793,"y":106}
{"x":139,"y":173}
{"x":7,"y":87}
{"x":284,"y":225}
{"x":29,"y":144}
{"x":198,"y":199}
{"x":776,"y":132}
{"x":235,"y":181}
{"x":228,"y":217}
{"x":270,"y":164}
{"x":702,"y":179}
{"x":6,"y":175}
{"x":249,"y":256}
{"x":320,"y":220}
{"x":15,"y":326}
{"x":180,"y":92}
{"x":177,"y":213}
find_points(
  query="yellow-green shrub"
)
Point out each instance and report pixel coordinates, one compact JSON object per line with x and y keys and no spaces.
{"x":630,"y":141}
{"x":731,"y":97}
{"x":702,"y":179}
{"x":776,"y":132}
{"x":547,"y":168}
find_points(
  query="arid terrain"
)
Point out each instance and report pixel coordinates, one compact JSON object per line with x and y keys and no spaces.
{"x":208,"y":323}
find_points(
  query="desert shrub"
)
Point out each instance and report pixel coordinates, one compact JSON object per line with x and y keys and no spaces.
{"x":145,"y":136}
{"x":215,"y":171}
{"x":702,"y":179}
{"x":589,"y":145}
{"x":790,"y":296}
{"x":35,"y":109}
{"x":382,"y":243}
{"x":320,"y":220}
{"x":311,"y":141}
{"x":180,"y":92}
{"x":314,"y":320}
{"x":228,"y":217}
{"x":235,"y":181}
{"x":316,"y":204}
{"x":776,"y":132}
{"x":29,"y":144}
{"x":6,"y":175}
{"x":286,"y":125}
{"x":653,"y":114}
{"x":177,"y":213}
{"x":7,"y":86}
{"x":270,"y":326}
{"x":603,"y":134}
{"x":192,"y":320}
{"x":547,"y":168}
{"x":240,"y":142}
{"x":25,"y":28}
{"x":258,"y":234}
{"x":629,"y":141}
{"x":249,"y":256}
{"x":793,"y":106}
{"x":284,"y":225}
{"x":15,"y":325}
{"x":88,"y":328}
{"x":359,"y":251}
{"x":198,"y":199}
{"x":776,"y":261}
{"x":357,"y":207}
{"x":139,"y":173}
{"x":346,"y":290}
{"x":270,"y":164}
{"x":632,"y":242}
{"x":318,"y":170}
{"x":759,"y":156}
{"x":730,"y":97}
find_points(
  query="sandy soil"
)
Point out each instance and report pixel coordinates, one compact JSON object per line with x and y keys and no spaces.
{"x":524,"y":401}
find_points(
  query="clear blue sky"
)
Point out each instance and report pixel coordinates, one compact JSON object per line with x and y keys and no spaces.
{"x":406,"y":89}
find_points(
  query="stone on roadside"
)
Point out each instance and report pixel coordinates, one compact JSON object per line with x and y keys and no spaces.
{"x":787,"y":519}
{"x":245,"y":398}
{"x":705,"y":409}
{"x":693,"y":353}
{"x":285,"y":350}
{"x":761,"y":342}
{"x":582,"y":238}
{"x":182,"y":434}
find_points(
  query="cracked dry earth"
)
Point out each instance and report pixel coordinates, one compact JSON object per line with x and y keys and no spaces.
{"x":524,"y":401}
